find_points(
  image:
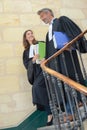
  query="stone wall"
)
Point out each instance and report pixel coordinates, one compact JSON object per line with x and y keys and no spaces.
{"x":15,"y":17}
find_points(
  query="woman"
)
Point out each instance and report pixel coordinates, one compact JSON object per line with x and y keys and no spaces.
{"x":39,"y":92}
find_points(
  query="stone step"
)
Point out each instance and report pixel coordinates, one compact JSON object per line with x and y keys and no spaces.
{"x":55,"y":128}
{"x":47,"y":128}
{"x":65,"y":125}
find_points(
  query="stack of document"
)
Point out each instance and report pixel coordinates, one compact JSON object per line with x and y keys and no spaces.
{"x":40,"y":49}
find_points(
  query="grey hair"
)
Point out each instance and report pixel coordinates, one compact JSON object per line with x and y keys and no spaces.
{"x":45,"y":10}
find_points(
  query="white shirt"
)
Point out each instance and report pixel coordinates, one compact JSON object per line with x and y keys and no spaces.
{"x":50,"y":36}
{"x":50,"y":30}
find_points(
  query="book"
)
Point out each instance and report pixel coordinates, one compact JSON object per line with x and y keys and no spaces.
{"x":61,"y":39}
{"x":42,"y":50}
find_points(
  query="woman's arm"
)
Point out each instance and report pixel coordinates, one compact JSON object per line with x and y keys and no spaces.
{"x":26,"y":58}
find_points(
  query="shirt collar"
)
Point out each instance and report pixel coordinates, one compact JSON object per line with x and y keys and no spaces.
{"x":52,"y":21}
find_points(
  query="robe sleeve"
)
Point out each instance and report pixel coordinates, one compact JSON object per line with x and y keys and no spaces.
{"x":29,"y":66}
{"x":72,"y":30}
{"x":25,"y":59}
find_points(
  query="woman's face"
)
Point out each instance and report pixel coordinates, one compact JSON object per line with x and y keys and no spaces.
{"x":29,"y":36}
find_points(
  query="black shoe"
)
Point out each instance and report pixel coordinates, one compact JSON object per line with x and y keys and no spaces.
{"x":50,"y":122}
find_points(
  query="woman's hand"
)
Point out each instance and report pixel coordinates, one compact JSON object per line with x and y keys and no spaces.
{"x":42,"y":60}
{"x":35,"y":57}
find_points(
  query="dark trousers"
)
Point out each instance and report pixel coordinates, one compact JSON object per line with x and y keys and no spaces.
{"x":48,"y":110}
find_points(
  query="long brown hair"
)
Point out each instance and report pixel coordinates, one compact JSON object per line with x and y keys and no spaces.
{"x":25,"y":42}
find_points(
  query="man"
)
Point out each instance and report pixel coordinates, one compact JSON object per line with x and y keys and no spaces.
{"x":63,"y":24}
{"x":67,"y":26}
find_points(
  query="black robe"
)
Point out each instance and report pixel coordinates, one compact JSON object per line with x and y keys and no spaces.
{"x":64,"y":24}
{"x":39,"y":92}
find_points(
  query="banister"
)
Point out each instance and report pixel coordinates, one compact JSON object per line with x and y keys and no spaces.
{"x":60,"y":76}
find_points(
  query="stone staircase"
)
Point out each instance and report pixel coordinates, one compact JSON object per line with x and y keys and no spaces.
{"x":53,"y":127}
{"x":81,"y":108}
{"x":79,"y":113}
{"x":65,"y":126}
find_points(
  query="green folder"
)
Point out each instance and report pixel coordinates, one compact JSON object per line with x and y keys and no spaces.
{"x":42,"y":49}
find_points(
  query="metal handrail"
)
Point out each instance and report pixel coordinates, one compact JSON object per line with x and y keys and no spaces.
{"x":65,"y":79}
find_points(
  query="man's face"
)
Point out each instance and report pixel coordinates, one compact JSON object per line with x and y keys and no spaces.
{"x":45,"y":17}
